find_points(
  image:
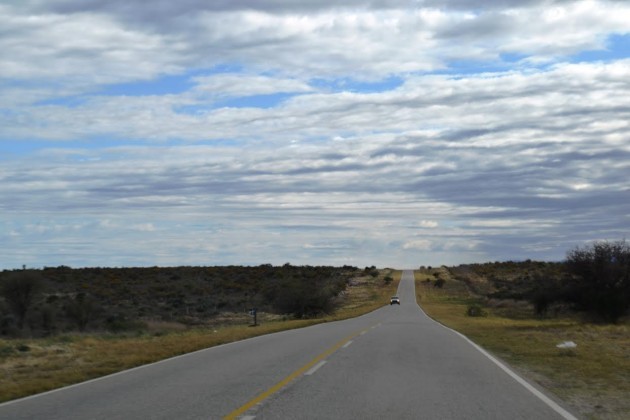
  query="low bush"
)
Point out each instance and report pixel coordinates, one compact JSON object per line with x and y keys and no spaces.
{"x":475,"y":310}
{"x":599,"y":280}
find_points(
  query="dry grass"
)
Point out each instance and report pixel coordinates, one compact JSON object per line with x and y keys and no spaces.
{"x":31,"y":366}
{"x":594,"y":378}
{"x":366,"y":294}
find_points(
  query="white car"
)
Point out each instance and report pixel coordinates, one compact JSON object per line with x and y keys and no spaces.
{"x":394,"y":300}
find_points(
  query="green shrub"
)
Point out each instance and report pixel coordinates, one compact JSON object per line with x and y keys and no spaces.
{"x":475,"y":310}
{"x":20,"y":289}
{"x":82,"y":310}
{"x":6,"y":351}
{"x":120,"y":323}
{"x":23,"y":348}
{"x":599,"y":280}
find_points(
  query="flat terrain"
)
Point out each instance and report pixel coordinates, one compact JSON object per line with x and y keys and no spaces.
{"x":594,"y":378}
{"x":392,"y":362}
{"x":34,"y":365}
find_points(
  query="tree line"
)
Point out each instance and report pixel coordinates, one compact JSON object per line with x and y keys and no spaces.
{"x":593,"y":279}
{"x":52,"y":300}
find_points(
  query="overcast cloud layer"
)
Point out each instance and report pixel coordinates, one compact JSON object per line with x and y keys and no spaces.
{"x":390,"y":133}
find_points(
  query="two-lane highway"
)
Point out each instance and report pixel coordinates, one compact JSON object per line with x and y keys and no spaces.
{"x":408,"y":366}
{"x":393,"y":362}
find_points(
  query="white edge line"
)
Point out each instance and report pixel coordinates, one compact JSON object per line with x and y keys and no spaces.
{"x":347,"y":344}
{"x":555,"y":406}
{"x":552,"y":404}
{"x":314,"y":368}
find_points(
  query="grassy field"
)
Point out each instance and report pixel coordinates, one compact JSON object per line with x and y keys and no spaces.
{"x":31,"y":366}
{"x":593,"y":378}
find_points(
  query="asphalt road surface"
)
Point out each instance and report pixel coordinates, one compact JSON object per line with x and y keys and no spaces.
{"x":392,"y":363}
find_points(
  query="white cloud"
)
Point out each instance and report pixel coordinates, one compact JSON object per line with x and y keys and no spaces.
{"x":429,"y":224}
{"x":594,"y":94}
{"x":419,"y":244}
{"x":494,"y":159}
{"x":120,"y":43}
{"x":145,"y":227}
{"x":239,"y":85}
{"x":80,"y":49}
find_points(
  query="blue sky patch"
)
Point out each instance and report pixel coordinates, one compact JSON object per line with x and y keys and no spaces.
{"x":617,"y":47}
{"x":254,"y":101}
{"x":351,"y":85}
{"x":28,"y":146}
{"x":472,"y":67}
{"x":512,"y":57}
{"x":65,"y":101}
{"x":165,"y":85}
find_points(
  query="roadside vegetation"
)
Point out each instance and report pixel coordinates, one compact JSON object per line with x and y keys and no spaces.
{"x":522,"y":312}
{"x":41,"y":303}
{"x":70,"y":325}
{"x":60,"y":326}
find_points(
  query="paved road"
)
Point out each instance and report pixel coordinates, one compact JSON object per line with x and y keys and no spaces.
{"x":393,"y":362}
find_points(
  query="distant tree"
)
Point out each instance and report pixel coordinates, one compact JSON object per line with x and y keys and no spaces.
{"x":47,"y":319}
{"x":599,"y":279}
{"x":544,"y":292}
{"x":19,"y":289}
{"x":371,"y":271}
{"x":306,"y":292}
{"x":82,"y":310}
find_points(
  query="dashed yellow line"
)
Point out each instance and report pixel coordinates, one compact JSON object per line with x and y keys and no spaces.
{"x":277,"y":387}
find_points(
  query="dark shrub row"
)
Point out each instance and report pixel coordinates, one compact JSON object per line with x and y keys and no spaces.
{"x":594,"y":279}
{"x":42,"y":302}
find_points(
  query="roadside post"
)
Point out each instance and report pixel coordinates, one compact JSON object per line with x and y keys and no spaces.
{"x":254,"y":314}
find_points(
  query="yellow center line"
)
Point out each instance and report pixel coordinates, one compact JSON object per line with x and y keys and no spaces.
{"x":277,"y":387}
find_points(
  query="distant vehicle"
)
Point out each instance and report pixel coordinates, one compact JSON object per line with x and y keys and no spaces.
{"x":394,"y":300}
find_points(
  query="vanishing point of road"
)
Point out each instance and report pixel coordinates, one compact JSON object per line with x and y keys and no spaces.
{"x":394,"y":362}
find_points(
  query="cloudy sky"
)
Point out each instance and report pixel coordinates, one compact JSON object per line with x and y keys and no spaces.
{"x":390,"y":133}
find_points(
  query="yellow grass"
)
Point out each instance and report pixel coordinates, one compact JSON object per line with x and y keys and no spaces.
{"x":594,"y":378}
{"x":31,"y":366}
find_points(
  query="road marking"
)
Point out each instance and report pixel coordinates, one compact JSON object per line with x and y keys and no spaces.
{"x":347,"y":344}
{"x":277,"y":387}
{"x":314,"y":368}
{"x":127,"y":371}
{"x":550,"y":403}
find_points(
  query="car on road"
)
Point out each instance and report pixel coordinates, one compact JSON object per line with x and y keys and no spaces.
{"x":394,"y":300}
